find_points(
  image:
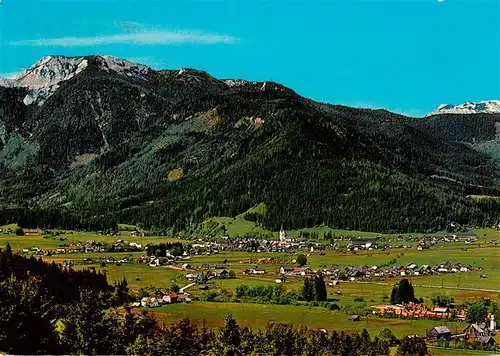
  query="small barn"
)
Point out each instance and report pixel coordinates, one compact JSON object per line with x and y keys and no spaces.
{"x":355,"y":318}
{"x":439,"y":333}
{"x":280,"y":279}
{"x":487,"y":340}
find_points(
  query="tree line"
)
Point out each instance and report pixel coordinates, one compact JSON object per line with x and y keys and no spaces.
{"x":160,"y":250}
{"x":61,"y":284}
{"x":52,"y":218}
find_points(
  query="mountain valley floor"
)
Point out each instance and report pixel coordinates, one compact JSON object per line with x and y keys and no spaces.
{"x":354,"y":296}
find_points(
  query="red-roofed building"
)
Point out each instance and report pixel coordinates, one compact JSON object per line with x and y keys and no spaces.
{"x":170,"y":297}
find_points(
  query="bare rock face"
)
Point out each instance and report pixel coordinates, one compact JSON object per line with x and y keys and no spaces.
{"x":45,"y":76}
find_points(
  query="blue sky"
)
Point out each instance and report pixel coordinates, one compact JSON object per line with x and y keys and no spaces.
{"x":407,"y":56}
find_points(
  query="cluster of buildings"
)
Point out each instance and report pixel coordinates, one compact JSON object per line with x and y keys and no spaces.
{"x":289,"y":271}
{"x":162,"y":297}
{"x":39,"y":251}
{"x":124,"y":246}
{"x":7,"y":231}
{"x":153,"y":261}
{"x":214,"y":266}
{"x":365,"y":243}
{"x":90,"y":246}
{"x":411,"y":269}
{"x":295,"y":271}
{"x":483,"y":333}
{"x":255,"y":270}
{"x":285,"y":243}
{"x":288,"y":243}
{"x":359,"y":273}
{"x":467,"y":237}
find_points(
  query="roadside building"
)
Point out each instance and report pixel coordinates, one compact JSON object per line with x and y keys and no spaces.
{"x":439,"y":333}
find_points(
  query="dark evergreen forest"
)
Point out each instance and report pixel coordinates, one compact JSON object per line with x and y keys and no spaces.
{"x":169,"y":151}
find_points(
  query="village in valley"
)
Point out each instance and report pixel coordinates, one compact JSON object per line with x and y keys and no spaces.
{"x":447,"y":271}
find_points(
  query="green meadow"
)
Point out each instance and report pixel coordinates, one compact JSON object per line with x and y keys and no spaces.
{"x":258,"y":316}
{"x":20,"y":242}
{"x":461,"y":286}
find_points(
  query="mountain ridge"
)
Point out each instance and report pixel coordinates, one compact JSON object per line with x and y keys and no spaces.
{"x":169,"y":148}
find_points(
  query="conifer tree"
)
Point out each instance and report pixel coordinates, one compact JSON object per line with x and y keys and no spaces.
{"x":320,"y":288}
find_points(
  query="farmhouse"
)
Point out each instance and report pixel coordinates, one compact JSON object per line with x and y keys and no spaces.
{"x":286,"y":269}
{"x":280,"y":279}
{"x":486,"y":340}
{"x":257,"y":270}
{"x":193,"y":276}
{"x":441,"y":310}
{"x":332,"y":270}
{"x":467,"y":236}
{"x":67,"y":263}
{"x":150,"y":302}
{"x":223,"y":273}
{"x":466,"y":268}
{"x":183,"y":298}
{"x":302,"y":271}
{"x":477,"y":330}
{"x":170,"y":297}
{"x":439,"y":333}
{"x":212,"y":266}
{"x":32,"y":232}
{"x":362,"y":243}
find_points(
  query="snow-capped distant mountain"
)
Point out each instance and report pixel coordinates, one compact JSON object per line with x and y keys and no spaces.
{"x":44,"y":77}
{"x":483,"y":107}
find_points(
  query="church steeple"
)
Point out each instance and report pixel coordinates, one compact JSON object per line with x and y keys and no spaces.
{"x":282,"y":234}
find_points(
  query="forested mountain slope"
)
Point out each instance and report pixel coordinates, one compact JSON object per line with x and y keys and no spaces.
{"x":121,"y":142}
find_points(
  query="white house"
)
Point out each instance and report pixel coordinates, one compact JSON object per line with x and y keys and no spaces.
{"x":257,"y":270}
{"x":286,"y":269}
{"x":153,"y":303}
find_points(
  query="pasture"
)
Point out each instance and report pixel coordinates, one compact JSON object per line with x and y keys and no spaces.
{"x":64,"y":240}
{"x":258,"y":316}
